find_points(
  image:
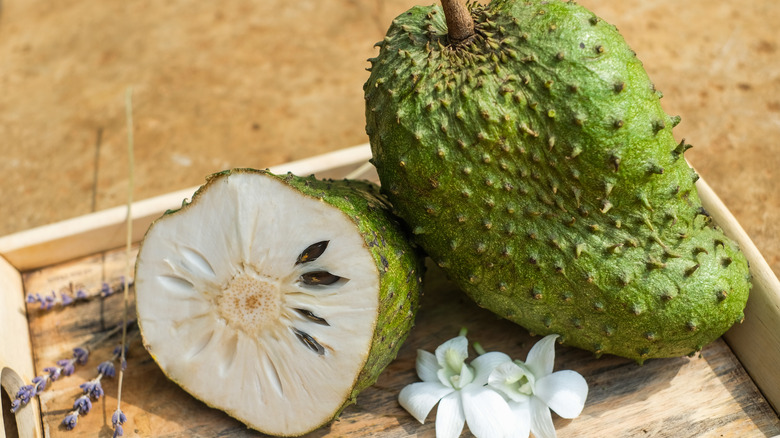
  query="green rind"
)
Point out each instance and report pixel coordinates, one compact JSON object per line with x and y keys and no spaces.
{"x":399,"y":265}
{"x":398,"y":261}
{"x":539,"y":170}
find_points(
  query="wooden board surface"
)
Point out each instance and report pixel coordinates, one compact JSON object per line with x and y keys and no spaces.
{"x":16,"y":365}
{"x":709,"y":395}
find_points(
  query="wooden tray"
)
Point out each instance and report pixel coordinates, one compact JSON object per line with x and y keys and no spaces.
{"x":731,"y":389}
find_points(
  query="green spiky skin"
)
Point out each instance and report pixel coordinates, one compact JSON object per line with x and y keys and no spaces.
{"x":399,"y":262}
{"x":535,"y":164}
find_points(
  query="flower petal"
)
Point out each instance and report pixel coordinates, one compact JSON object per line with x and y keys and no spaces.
{"x":451,"y":357}
{"x":487,"y":413}
{"x":427,"y":366}
{"x":504,"y":378}
{"x":564,"y":392}
{"x":449,"y":416}
{"x":419,"y":398}
{"x":459,"y":344}
{"x":521,"y":409}
{"x":541,"y":358}
{"x":541,"y":419}
{"x":485,"y":364}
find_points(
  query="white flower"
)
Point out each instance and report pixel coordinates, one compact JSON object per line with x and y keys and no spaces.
{"x":533,"y":389}
{"x":461,"y":391}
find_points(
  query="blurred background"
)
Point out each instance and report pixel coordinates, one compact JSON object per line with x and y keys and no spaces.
{"x":258,"y":83}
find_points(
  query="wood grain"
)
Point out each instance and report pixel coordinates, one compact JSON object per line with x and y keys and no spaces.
{"x":709,"y":395}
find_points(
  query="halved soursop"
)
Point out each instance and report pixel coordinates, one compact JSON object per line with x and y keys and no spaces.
{"x":533,"y":161}
{"x":277,"y":299}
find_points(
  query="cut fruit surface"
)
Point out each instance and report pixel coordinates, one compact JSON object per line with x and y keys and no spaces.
{"x":267,"y":296}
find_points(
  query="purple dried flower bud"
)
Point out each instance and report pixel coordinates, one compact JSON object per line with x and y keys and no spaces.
{"x":70,"y":420}
{"x":40,"y":383}
{"x":118,"y":418}
{"x":67,"y":366}
{"x":15,"y":405}
{"x":81,"y":355}
{"x":66,"y":299}
{"x":25,"y":393}
{"x":118,"y":350}
{"x":107,"y":368}
{"x":48,"y":301}
{"x":105,"y":290}
{"x":31,"y":299}
{"x":81,"y":294}
{"x":93,"y":388}
{"x":54,"y":372}
{"x":83,"y":404}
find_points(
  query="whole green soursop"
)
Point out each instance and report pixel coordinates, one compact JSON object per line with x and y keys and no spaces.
{"x":532,"y":159}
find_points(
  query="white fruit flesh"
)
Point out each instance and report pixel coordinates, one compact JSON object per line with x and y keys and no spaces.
{"x":232,"y":315}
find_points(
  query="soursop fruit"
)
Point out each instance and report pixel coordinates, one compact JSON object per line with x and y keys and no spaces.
{"x":277,"y":299}
{"x":534,"y":163}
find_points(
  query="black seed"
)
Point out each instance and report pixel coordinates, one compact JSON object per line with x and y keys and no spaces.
{"x":312,"y":317}
{"x":313,"y":252}
{"x":317,"y":278}
{"x":309,"y":341}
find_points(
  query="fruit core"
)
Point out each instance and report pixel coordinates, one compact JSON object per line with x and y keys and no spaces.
{"x":250,"y":302}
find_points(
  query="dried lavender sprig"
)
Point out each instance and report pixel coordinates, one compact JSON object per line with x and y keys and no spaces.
{"x":81,"y":406}
{"x":93,"y":390}
{"x":119,"y":418}
{"x":46,"y":301}
{"x":49,"y":301}
{"x":65,"y":367}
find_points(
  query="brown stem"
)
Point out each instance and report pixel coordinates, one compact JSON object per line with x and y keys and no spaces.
{"x":460,"y":25}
